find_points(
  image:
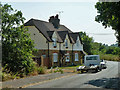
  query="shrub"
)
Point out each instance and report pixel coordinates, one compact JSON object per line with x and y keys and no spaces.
{"x":41,"y":70}
{"x":59,"y":70}
{"x":110,"y":57}
{"x":6,"y":76}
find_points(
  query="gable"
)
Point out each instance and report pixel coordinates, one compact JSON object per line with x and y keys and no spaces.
{"x":37,"y":37}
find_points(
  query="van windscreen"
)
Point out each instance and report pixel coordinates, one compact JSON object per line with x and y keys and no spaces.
{"x":92,"y":58}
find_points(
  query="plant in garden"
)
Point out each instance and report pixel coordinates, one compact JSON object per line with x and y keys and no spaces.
{"x":17,"y":46}
{"x":42,"y":70}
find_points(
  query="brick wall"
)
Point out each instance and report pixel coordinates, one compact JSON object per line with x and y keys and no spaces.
{"x":64,"y":62}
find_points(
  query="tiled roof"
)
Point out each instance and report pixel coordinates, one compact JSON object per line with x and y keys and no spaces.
{"x":40,"y":26}
{"x":47,"y":29}
{"x":75,"y":35}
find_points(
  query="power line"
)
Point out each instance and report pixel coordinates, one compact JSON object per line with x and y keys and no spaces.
{"x":101,"y":33}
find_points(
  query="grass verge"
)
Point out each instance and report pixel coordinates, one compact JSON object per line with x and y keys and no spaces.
{"x":110,"y":57}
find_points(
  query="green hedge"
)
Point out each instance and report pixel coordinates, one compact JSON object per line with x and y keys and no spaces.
{"x":110,"y":57}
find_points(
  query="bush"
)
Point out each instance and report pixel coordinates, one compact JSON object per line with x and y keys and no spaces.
{"x":110,"y":57}
{"x":59,"y":70}
{"x":41,"y":70}
{"x":5,"y":76}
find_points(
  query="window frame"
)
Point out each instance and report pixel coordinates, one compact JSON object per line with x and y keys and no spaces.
{"x":54,"y":42}
{"x":55,"y":54}
{"x":67,"y":58}
{"x":76,"y":59}
{"x":66,"y":43}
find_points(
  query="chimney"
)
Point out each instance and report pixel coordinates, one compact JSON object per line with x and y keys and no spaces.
{"x":55,"y":21}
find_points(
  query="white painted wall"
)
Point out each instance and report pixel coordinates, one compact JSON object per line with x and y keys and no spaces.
{"x":39,"y":39}
{"x":51,"y":43}
{"x":69,"y":44}
{"x":78,"y":47}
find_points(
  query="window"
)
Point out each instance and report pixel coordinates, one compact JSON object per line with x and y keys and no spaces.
{"x":55,"y":57}
{"x":92,"y":58}
{"x":44,"y":56}
{"x":54,"y":42}
{"x":76,"y":57}
{"x":66,"y":43}
{"x":77,"y":42}
{"x":67,"y":57}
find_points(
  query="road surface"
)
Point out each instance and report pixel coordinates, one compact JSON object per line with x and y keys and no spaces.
{"x":107,"y":78}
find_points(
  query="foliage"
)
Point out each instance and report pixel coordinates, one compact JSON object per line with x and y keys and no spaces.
{"x":110,"y":57}
{"x":41,"y":70}
{"x":87,"y":42}
{"x":109,"y":15}
{"x":8,"y":76}
{"x":17,"y":46}
{"x":59,"y":70}
{"x":106,"y":52}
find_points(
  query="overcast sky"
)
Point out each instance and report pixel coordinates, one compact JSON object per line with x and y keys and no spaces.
{"x":77,"y":16}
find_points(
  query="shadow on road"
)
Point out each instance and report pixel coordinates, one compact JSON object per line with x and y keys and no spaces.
{"x":108,"y":83}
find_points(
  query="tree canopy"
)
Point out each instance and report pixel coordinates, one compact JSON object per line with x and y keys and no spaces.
{"x":87,"y":42}
{"x":17,"y":46}
{"x":111,"y":52}
{"x":109,"y":16}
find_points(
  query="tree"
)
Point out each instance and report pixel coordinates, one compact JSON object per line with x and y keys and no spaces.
{"x":87,"y":42}
{"x":17,"y":46}
{"x":109,"y":16}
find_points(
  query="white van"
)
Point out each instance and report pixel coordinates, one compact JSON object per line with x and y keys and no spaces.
{"x":91,"y":62}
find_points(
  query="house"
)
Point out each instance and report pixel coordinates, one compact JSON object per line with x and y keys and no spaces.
{"x":57,"y":45}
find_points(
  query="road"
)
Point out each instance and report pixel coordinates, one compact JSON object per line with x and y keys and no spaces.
{"x":107,"y":78}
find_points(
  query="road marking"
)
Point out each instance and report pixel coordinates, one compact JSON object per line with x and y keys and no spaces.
{"x":32,"y":84}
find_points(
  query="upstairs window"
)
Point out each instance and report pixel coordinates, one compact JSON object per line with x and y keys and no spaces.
{"x":77,"y":41}
{"x":66,"y":43}
{"x":54,"y":42}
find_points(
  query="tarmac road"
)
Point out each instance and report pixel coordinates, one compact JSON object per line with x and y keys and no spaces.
{"x":107,"y":78}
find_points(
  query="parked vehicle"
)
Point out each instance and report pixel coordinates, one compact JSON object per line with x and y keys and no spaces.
{"x":103,"y":64}
{"x":91,"y":62}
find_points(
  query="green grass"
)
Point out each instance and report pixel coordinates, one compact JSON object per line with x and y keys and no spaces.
{"x":110,"y":57}
{"x":70,"y":67}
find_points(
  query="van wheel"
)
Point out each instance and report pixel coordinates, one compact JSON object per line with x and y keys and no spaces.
{"x":96,"y":70}
{"x":81,"y":71}
{"x":86,"y":70}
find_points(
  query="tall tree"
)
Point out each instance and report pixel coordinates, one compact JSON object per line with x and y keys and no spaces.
{"x":109,"y":15}
{"x":87,"y":42}
{"x":17,"y":46}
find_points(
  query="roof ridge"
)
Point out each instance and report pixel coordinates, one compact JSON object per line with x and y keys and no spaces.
{"x":46,"y":21}
{"x":39,"y":20}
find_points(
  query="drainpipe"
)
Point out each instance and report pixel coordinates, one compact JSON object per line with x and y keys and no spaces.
{"x":60,"y":54}
{"x":48,"y":54}
{"x":72,"y":55}
{"x":48,"y":50}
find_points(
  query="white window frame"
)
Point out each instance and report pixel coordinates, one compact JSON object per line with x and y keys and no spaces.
{"x":54,"y":42}
{"x":66,"y":43}
{"x":55,"y":57}
{"x":67,"y":57}
{"x":77,"y":41}
{"x":76,"y":57}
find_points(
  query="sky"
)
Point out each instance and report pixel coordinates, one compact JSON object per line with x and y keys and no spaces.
{"x":77,"y":16}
